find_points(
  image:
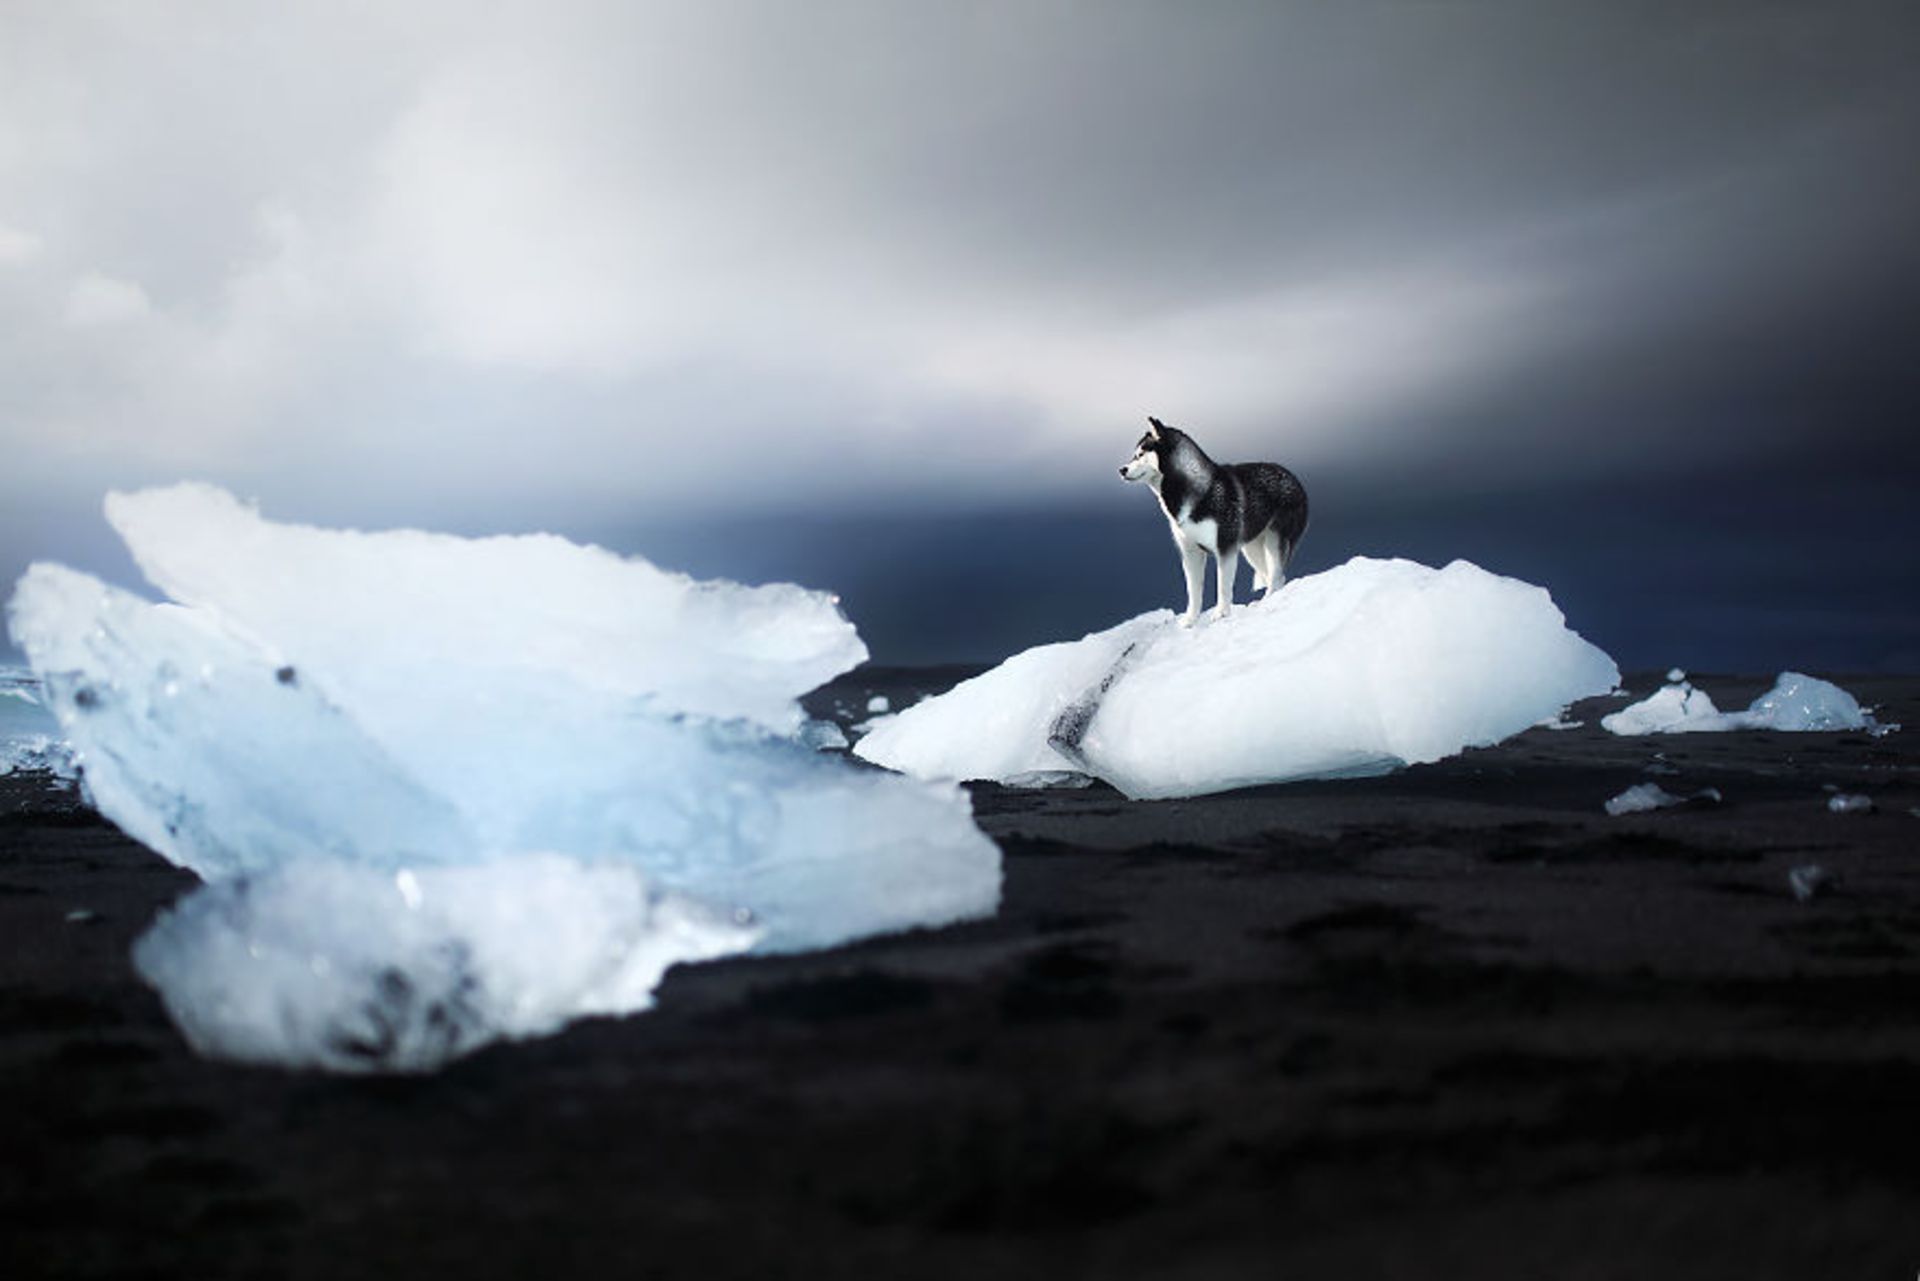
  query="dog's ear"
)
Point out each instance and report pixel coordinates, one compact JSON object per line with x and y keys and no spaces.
{"x":1153,"y":426}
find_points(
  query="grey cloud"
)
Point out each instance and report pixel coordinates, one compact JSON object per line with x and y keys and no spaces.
{"x":479,"y":261}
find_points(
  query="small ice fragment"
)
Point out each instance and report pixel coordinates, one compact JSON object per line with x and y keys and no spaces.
{"x":1660,"y":765}
{"x":1809,"y":881}
{"x":1796,"y":703}
{"x":82,"y":916}
{"x":823,"y":736}
{"x":1709,"y":794}
{"x":1850,"y":803}
{"x":40,"y":754}
{"x":1642,"y":797}
{"x":1039,"y":779}
{"x":1675,"y":675}
{"x":878,"y":703}
{"x":1669,"y":709}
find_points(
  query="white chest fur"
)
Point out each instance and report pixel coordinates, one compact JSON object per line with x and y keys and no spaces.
{"x":1200,"y":533}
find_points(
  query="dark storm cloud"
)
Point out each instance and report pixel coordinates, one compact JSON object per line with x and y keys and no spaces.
{"x":1329,"y":215}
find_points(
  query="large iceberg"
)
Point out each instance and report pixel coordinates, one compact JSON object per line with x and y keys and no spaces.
{"x":1358,"y":670}
{"x":1797,"y":703}
{"x":527,"y":771}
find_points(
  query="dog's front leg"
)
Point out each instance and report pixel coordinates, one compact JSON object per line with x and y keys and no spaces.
{"x":1193,"y":559}
{"x":1228,"y":563}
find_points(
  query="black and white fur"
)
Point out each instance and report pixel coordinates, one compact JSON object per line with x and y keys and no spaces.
{"x":1222,"y":510}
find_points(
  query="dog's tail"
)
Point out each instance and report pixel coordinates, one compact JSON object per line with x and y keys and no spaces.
{"x":1290,"y":525}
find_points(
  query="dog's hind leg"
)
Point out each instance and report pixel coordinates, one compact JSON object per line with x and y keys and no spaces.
{"x":1278,"y":553}
{"x":1260,"y":556}
{"x":1228,"y":564}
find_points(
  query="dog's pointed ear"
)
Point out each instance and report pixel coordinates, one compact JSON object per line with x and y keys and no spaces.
{"x":1153,"y":426}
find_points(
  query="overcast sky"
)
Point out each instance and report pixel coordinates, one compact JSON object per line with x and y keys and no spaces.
{"x":492,"y":265}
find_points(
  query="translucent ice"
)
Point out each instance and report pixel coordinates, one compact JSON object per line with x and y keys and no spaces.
{"x":824,"y":736}
{"x":1796,"y":702}
{"x":308,"y":701}
{"x":1799,"y":702}
{"x":1361,"y":669}
{"x":336,"y":964}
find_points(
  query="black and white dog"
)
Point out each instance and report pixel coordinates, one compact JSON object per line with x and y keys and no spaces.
{"x":1222,"y":510}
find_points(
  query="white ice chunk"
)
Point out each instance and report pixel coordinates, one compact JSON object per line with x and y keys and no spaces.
{"x":1669,"y":709}
{"x":1361,"y":669}
{"x":524,"y":605}
{"x":1642,"y":797}
{"x":995,"y":726}
{"x":254,"y":735}
{"x":878,"y":703}
{"x":1850,"y":803}
{"x":1809,"y":881}
{"x":197,"y":747}
{"x":1796,"y":703}
{"x":331,"y":964}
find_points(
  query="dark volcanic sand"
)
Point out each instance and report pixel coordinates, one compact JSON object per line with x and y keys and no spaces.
{"x":1454,"y":1022}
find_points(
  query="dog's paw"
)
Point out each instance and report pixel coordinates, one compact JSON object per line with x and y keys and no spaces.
{"x":1221,"y":614}
{"x":1188,"y":620}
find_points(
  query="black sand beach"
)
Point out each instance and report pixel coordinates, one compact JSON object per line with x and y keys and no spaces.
{"x":1451,"y":1022}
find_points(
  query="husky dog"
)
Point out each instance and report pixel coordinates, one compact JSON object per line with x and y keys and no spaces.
{"x":1222,"y":509}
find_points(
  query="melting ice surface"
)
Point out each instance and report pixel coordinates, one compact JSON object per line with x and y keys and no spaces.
{"x":445,"y":790}
{"x":1358,"y":670}
{"x":1796,"y":703}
